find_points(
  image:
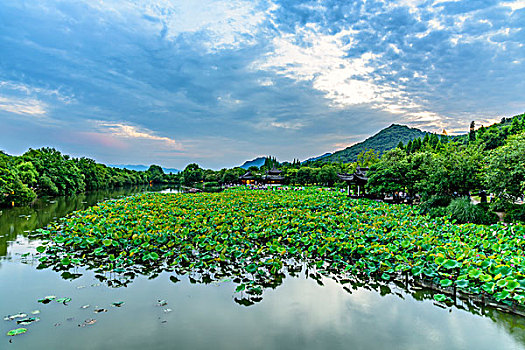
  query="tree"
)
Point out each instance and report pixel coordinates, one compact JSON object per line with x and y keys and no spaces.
{"x":229,"y":176}
{"x":27,"y":173}
{"x":12,"y":190}
{"x":505,"y":175}
{"x":155,"y":174}
{"x":192,"y":174}
{"x":304,"y":176}
{"x":472,"y":132}
{"x":327,"y":175}
{"x":389,"y":174}
{"x":367,"y":157}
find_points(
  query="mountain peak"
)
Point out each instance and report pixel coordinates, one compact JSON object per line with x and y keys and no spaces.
{"x":381,"y":142}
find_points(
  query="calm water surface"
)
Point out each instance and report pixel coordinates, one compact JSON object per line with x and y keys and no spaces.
{"x":299,"y":314}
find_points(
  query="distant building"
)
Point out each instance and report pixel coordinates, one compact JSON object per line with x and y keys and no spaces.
{"x":273,"y":177}
{"x":248,"y":179}
{"x":358,"y":179}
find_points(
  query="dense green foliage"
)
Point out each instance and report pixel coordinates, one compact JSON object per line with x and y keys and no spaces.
{"x":488,"y":159}
{"x":253,"y":236}
{"x":381,"y":142}
{"x":47,"y":172}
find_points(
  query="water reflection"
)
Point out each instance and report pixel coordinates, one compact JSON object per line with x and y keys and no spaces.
{"x":369,"y":314}
{"x":20,"y":221}
{"x":299,"y":314}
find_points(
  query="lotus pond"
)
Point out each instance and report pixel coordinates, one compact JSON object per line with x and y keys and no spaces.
{"x":261,"y":269}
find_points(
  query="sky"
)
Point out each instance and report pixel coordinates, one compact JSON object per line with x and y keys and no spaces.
{"x":172,"y":82}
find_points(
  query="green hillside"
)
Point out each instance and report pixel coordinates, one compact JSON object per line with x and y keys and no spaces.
{"x":384,"y":140}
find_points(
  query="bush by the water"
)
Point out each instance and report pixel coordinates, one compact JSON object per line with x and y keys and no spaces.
{"x":463,"y":211}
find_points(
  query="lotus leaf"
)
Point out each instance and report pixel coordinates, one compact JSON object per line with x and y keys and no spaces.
{"x":253,"y":237}
{"x":17,"y":331}
{"x":440,"y":297}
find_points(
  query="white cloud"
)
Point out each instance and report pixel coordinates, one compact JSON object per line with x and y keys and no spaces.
{"x":515,"y":5}
{"x":322,"y":59}
{"x":132,"y":132}
{"x":23,"y":106}
{"x":33,"y":90}
{"x":226,"y":24}
{"x":272,"y":123}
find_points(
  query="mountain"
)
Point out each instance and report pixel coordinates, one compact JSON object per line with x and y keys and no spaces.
{"x":258,"y":162}
{"x":140,"y":167}
{"x":313,"y":159}
{"x":384,"y":140}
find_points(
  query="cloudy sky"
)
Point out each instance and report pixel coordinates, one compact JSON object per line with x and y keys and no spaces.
{"x":219,"y":82}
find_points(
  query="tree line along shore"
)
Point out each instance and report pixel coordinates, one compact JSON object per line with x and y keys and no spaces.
{"x":443,"y":172}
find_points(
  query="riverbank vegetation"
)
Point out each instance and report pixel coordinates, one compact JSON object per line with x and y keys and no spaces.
{"x":253,"y":237}
{"x":436,"y":170}
{"x":47,"y":172}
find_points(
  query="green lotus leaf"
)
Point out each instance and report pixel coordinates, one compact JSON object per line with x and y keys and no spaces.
{"x":485,"y":278}
{"x":440,"y":297}
{"x":501,"y":283}
{"x":511,"y":285}
{"x":41,"y":249}
{"x":439,"y":260}
{"x":59,"y":239}
{"x":17,"y":331}
{"x":451,"y":264}
{"x":445,"y":282}
{"x":501,"y":295}
{"x":504,"y":270}
{"x":251,"y":268}
{"x":474,"y":273}
{"x":462,"y":283}
{"x":417,"y":270}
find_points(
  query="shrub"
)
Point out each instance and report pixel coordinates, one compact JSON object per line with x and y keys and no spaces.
{"x":463,"y":211}
{"x":515,"y":213}
{"x":433,"y":205}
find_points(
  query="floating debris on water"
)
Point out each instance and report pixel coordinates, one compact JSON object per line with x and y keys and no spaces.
{"x":27,"y":321}
{"x":167,"y":310}
{"x":35,"y":312}
{"x":63,"y":300}
{"x":81,"y":287}
{"x":162,"y":302}
{"x":100,"y":310}
{"x":118,"y":304}
{"x":12,"y":317}
{"x":85,"y":306}
{"x":47,"y":299}
{"x":88,"y":322}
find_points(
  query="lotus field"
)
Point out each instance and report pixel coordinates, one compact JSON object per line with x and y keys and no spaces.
{"x":254,"y":237}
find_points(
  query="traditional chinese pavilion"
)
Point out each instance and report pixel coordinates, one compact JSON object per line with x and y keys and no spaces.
{"x":273,"y":177}
{"x":357,"y":179}
{"x":247,"y":179}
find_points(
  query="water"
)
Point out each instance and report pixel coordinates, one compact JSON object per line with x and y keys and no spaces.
{"x":299,"y":314}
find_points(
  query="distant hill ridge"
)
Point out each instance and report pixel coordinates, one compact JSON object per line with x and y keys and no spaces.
{"x":140,"y":167}
{"x":258,"y":162}
{"x":383,"y":141}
